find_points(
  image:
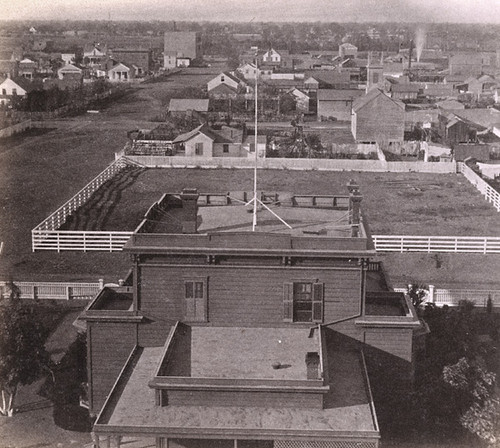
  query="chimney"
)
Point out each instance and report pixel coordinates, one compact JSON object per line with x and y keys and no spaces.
{"x":312,"y":364}
{"x":189,"y":198}
{"x":355,"y":199}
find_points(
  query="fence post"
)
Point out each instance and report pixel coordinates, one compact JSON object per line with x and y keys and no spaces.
{"x":101,"y":283}
{"x":68,"y":292}
{"x":401,"y":240}
{"x":431,"y":294}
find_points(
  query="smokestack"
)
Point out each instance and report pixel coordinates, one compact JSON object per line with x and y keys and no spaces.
{"x":189,"y":198}
{"x":410,"y":54}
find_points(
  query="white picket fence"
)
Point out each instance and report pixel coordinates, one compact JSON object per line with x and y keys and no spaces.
{"x":489,"y":193}
{"x":86,"y":241}
{"x":46,"y":236}
{"x":452,"y":297}
{"x":456,"y":244}
{"x":52,"y":290}
{"x":58,"y":218}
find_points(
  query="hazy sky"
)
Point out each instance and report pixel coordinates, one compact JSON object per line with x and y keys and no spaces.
{"x":473,"y":11}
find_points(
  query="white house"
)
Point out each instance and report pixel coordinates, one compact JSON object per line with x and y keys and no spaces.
{"x":69,"y":71}
{"x":271,"y":57}
{"x":120,"y":73}
{"x":10,"y":88}
{"x":224,"y":78}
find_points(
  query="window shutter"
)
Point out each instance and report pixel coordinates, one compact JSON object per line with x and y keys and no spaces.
{"x":317,"y":305}
{"x":288,"y":302}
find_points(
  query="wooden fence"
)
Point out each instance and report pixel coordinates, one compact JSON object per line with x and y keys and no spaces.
{"x":489,"y":193}
{"x":52,"y":290}
{"x":294,"y":164}
{"x":452,"y":297}
{"x":46,"y":236}
{"x":85,"y":241}
{"x":457,"y":244}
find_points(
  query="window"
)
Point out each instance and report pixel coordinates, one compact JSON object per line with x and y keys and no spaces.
{"x":14,"y":91}
{"x":225,"y":148}
{"x":195,"y":295}
{"x":375,"y":78}
{"x":222,"y":78}
{"x":4,"y":91}
{"x":303,"y":302}
{"x":198,"y":149}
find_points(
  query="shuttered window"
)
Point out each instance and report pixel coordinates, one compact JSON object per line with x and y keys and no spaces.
{"x":195,"y":295}
{"x":303,"y":302}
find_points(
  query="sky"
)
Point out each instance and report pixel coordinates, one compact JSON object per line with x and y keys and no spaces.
{"x":460,"y":11}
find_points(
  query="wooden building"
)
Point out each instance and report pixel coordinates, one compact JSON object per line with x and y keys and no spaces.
{"x":223,"y":336}
{"x":377,"y":118}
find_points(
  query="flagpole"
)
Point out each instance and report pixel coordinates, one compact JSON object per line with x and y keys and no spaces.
{"x":254,"y":222}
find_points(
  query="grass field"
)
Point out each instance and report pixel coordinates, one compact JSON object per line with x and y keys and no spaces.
{"x":40,"y":171}
{"x":394,"y":203}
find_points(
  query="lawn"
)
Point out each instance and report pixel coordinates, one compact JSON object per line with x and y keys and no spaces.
{"x":394,"y":203}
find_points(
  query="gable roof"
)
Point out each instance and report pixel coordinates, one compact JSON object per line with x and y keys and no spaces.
{"x":70,"y":68}
{"x":339,"y":94}
{"x":224,"y":135}
{"x":405,"y":87}
{"x":372,"y":95}
{"x":185,"y":104}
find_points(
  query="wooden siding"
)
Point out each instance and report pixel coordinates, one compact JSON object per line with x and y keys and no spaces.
{"x":190,"y":146}
{"x":110,"y":345}
{"x":239,"y":398}
{"x":245,"y":296}
{"x":379,"y":120}
{"x":394,"y":341}
{"x":397,"y":342}
{"x":340,"y":109}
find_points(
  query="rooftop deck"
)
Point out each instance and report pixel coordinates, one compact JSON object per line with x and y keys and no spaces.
{"x":248,"y":353}
{"x":348,"y":409}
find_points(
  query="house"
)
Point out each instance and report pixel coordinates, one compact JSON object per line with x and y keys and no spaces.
{"x":302,"y":100}
{"x":120,"y":72}
{"x":336,"y":104}
{"x":250,"y":71}
{"x":225,"y":78}
{"x":184,"y":45}
{"x":93,"y":56}
{"x":463,"y":63}
{"x":347,"y":50}
{"x":455,"y":129}
{"x":12,"y":88}
{"x":169,"y":59}
{"x":224,"y":336}
{"x":9,"y":65}
{"x":378,"y":118}
{"x":330,"y":79}
{"x":249,"y":146}
{"x":70,"y":71}
{"x":405,"y":91}
{"x":224,"y":142}
{"x":142,"y":58}
{"x":450,"y":104}
{"x":181,"y":106}
{"x":27,"y":68}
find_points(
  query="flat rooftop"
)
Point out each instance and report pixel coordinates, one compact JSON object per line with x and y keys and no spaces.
{"x":303,"y":221}
{"x":347,"y":406}
{"x":231,"y":352}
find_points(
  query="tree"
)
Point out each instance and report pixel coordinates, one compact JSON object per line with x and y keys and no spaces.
{"x":475,"y":399}
{"x":23,"y":357}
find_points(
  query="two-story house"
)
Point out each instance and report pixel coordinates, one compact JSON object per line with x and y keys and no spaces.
{"x":245,"y":330}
